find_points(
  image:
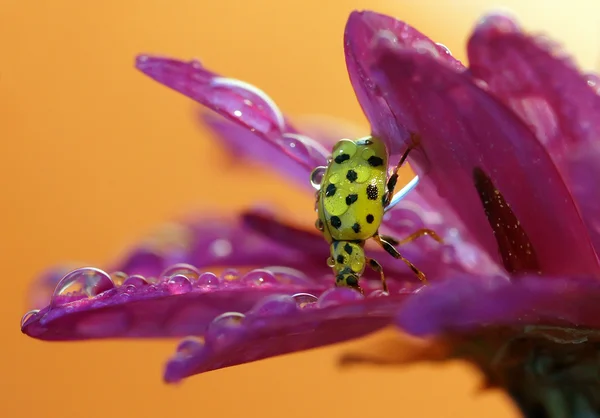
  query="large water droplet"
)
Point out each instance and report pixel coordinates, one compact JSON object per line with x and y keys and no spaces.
{"x":304,"y":150}
{"x":288,"y":275}
{"x":208,"y":279}
{"x":136,"y":281}
{"x":190,"y":346}
{"x":593,"y":80}
{"x":225,"y":328}
{"x":316,"y":177}
{"x":28,"y":315}
{"x":179,"y":284}
{"x":118,"y":278}
{"x":337,"y":296}
{"x":182,"y":269}
{"x":259,"y":277}
{"x":86,"y":282}
{"x":304,"y":299}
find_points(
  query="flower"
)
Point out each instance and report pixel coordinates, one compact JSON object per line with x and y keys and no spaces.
{"x":506,"y":163}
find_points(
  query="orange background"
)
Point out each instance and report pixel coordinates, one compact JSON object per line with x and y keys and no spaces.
{"x":94,"y":155}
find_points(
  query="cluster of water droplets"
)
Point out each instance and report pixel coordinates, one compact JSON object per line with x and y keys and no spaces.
{"x":89,"y":283}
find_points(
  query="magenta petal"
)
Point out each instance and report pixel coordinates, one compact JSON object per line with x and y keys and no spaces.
{"x":244,"y":143}
{"x":282,"y":324}
{"x":466,"y":132}
{"x":363,"y":31}
{"x":181,"y":302}
{"x":545,"y":89}
{"x":468,"y":303}
{"x":237,"y":101}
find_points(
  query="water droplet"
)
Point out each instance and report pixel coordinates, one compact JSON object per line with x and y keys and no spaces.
{"x":445,"y":48}
{"x":221,"y":248}
{"x":316,"y":177}
{"x":182,"y":269}
{"x":259,"y":277}
{"x":230,"y":275}
{"x":378,"y":294}
{"x":304,"y":299}
{"x":208,"y":279}
{"x":135,"y":280}
{"x":425,"y":46}
{"x":190,"y":346}
{"x":334,"y":178}
{"x":118,"y":278}
{"x":593,"y":80}
{"x":273,"y":306}
{"x":337,"y":296}
{"x":288,"y":275}
{"x":28,"y":315}
{"x":319,"y":225}
{"x":179,"y":284}
{"x":237,"y":113}
{"x":86,"y":282}
{"x":303,"y":149}
{"x":225,"y":328}
{"x":330,"y":262}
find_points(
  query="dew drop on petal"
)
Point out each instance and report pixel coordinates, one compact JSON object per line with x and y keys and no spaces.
{"x":316,"y":177}
{"x":28,"y":315}
{"x":136,"y":280}
{"x":225,"y":328}
{"x":179,"y":284}
{"x":275,"y":305}
{"x":182,"y":269}
{"x":259,"y":277}
{"x":118,"y":278}
{"x":230,"y":275}
{"x":304,"y":299}
{"x":593,"y":80}
{"x":87,"y":282}
{"x":445,"y":48}
{"x":337,"y":296}
{"x":208,"y":279}
{"x":189,"y":346}
{"x":304,"y":150}
{"x":220,"y":248}
{"x":378,"y":294}
{"x":288,"y":275}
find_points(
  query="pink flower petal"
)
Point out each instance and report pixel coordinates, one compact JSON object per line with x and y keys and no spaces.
{"x":474,"y":151}
{"x":469,"y":303}
{"x":243,"y":143}
{"x":538,"y":81}
{"x":88,"y":304}
{"x":363,"y":31}
{"x":238,"y":101}
{"x":279,"y":325}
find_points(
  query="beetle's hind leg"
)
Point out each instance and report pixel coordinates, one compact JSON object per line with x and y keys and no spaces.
{"x":377,"y":268}
{"x":390,"y":249}
{"x":415,"y":235}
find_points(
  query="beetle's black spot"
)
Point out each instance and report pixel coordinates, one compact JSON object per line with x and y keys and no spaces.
{"x":339,"y":278}
{"x":335,"y":222}
{"x":351,"y":176}
{"x":356,"y":227}
{"x":348,"y":249}
{"x":341,"y":158}
{"x":340,"y":259}
{"x":330,"y":190}
{"x":372,"y":192}
{"x":351,"y":198}
{"x":370,"y":218}
{"x":375,"y":161}
{"x":352,"y":281}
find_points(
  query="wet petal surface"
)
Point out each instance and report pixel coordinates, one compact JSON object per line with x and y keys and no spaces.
{"x":237,"y":101}
{"x":183,"y":301}
{"x":487,"y":164}
{"x":282,"y":324}
{"x":538,"y":81}
{"x":468,"y":303}
{"x":363,"y":31}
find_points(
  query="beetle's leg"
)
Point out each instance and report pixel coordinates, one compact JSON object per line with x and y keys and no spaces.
{"x":377,"y":267}
{"x":390,"y":249}
{"x":391,"y":184}
{"x":415,"y":235}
